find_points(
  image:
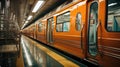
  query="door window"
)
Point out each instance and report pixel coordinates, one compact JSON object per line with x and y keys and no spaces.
{"x":78,"y":21}
{"x":50,"y":27}
{"x":92,"y":40}
{"x":40,"y":27}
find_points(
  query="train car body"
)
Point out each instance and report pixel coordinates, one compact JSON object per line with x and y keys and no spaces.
{"x":41,"y":30}
{"x":88,"y":29}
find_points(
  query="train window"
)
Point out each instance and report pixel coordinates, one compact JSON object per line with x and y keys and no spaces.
{"x":40,"y":27}
{"x":113,"y":18}
{"x":63,"y":22}
{"x":78,"y":21}
{"x":59,"y":27}
{"x":66,"y":26}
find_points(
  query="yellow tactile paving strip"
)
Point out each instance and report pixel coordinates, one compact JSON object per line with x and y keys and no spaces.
{"x":65,"y":62}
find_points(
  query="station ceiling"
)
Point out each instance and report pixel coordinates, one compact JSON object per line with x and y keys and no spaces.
{"x":23,"y":8}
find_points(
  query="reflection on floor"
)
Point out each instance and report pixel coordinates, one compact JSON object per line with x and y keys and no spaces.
{"x":37,"y":55}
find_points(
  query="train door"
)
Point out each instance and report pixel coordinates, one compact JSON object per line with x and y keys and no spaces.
{"x":92,"y":38}
{"x":50,"y":30}
{"x":80,"y":25}
{"x":33,"y":31}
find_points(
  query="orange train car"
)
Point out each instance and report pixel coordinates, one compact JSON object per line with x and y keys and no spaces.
{"x":88,"y":29}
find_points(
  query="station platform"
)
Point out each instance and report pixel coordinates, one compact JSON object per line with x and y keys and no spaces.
{"x":37,"y":55}
{"x":10,"y":54}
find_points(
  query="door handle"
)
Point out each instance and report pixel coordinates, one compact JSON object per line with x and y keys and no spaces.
{"x":99,"y":23}
{"x":82,"y":35}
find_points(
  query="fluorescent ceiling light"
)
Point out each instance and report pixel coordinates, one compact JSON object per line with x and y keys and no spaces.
{"x":26,"y":21}
{"x":23,"y":26}
{"x":37,"y":6}
{"x":112,"y":4}
{"x":29,"y":17}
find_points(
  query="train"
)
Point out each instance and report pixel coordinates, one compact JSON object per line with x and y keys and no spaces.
{"x":87,"y":29}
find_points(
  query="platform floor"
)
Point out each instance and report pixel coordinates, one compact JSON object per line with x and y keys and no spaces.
{"x":10,"y":56}
{"x":38,"y":55}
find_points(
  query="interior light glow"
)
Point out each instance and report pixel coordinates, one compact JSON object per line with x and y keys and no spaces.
{"x":29,"y":17}
{"x":67,"y":13}
{"x":37,"y":6}
{"x":112,"y":4}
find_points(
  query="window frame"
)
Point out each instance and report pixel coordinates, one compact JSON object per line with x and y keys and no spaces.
{"x":63,"y":22}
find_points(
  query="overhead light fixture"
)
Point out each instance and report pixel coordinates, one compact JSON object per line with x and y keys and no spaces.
{"x":29,"y":17}
{"x":24,"y":24}
{"x":37,"y":6}
{"x":26,"y":21}
{"x":112,"y":4}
